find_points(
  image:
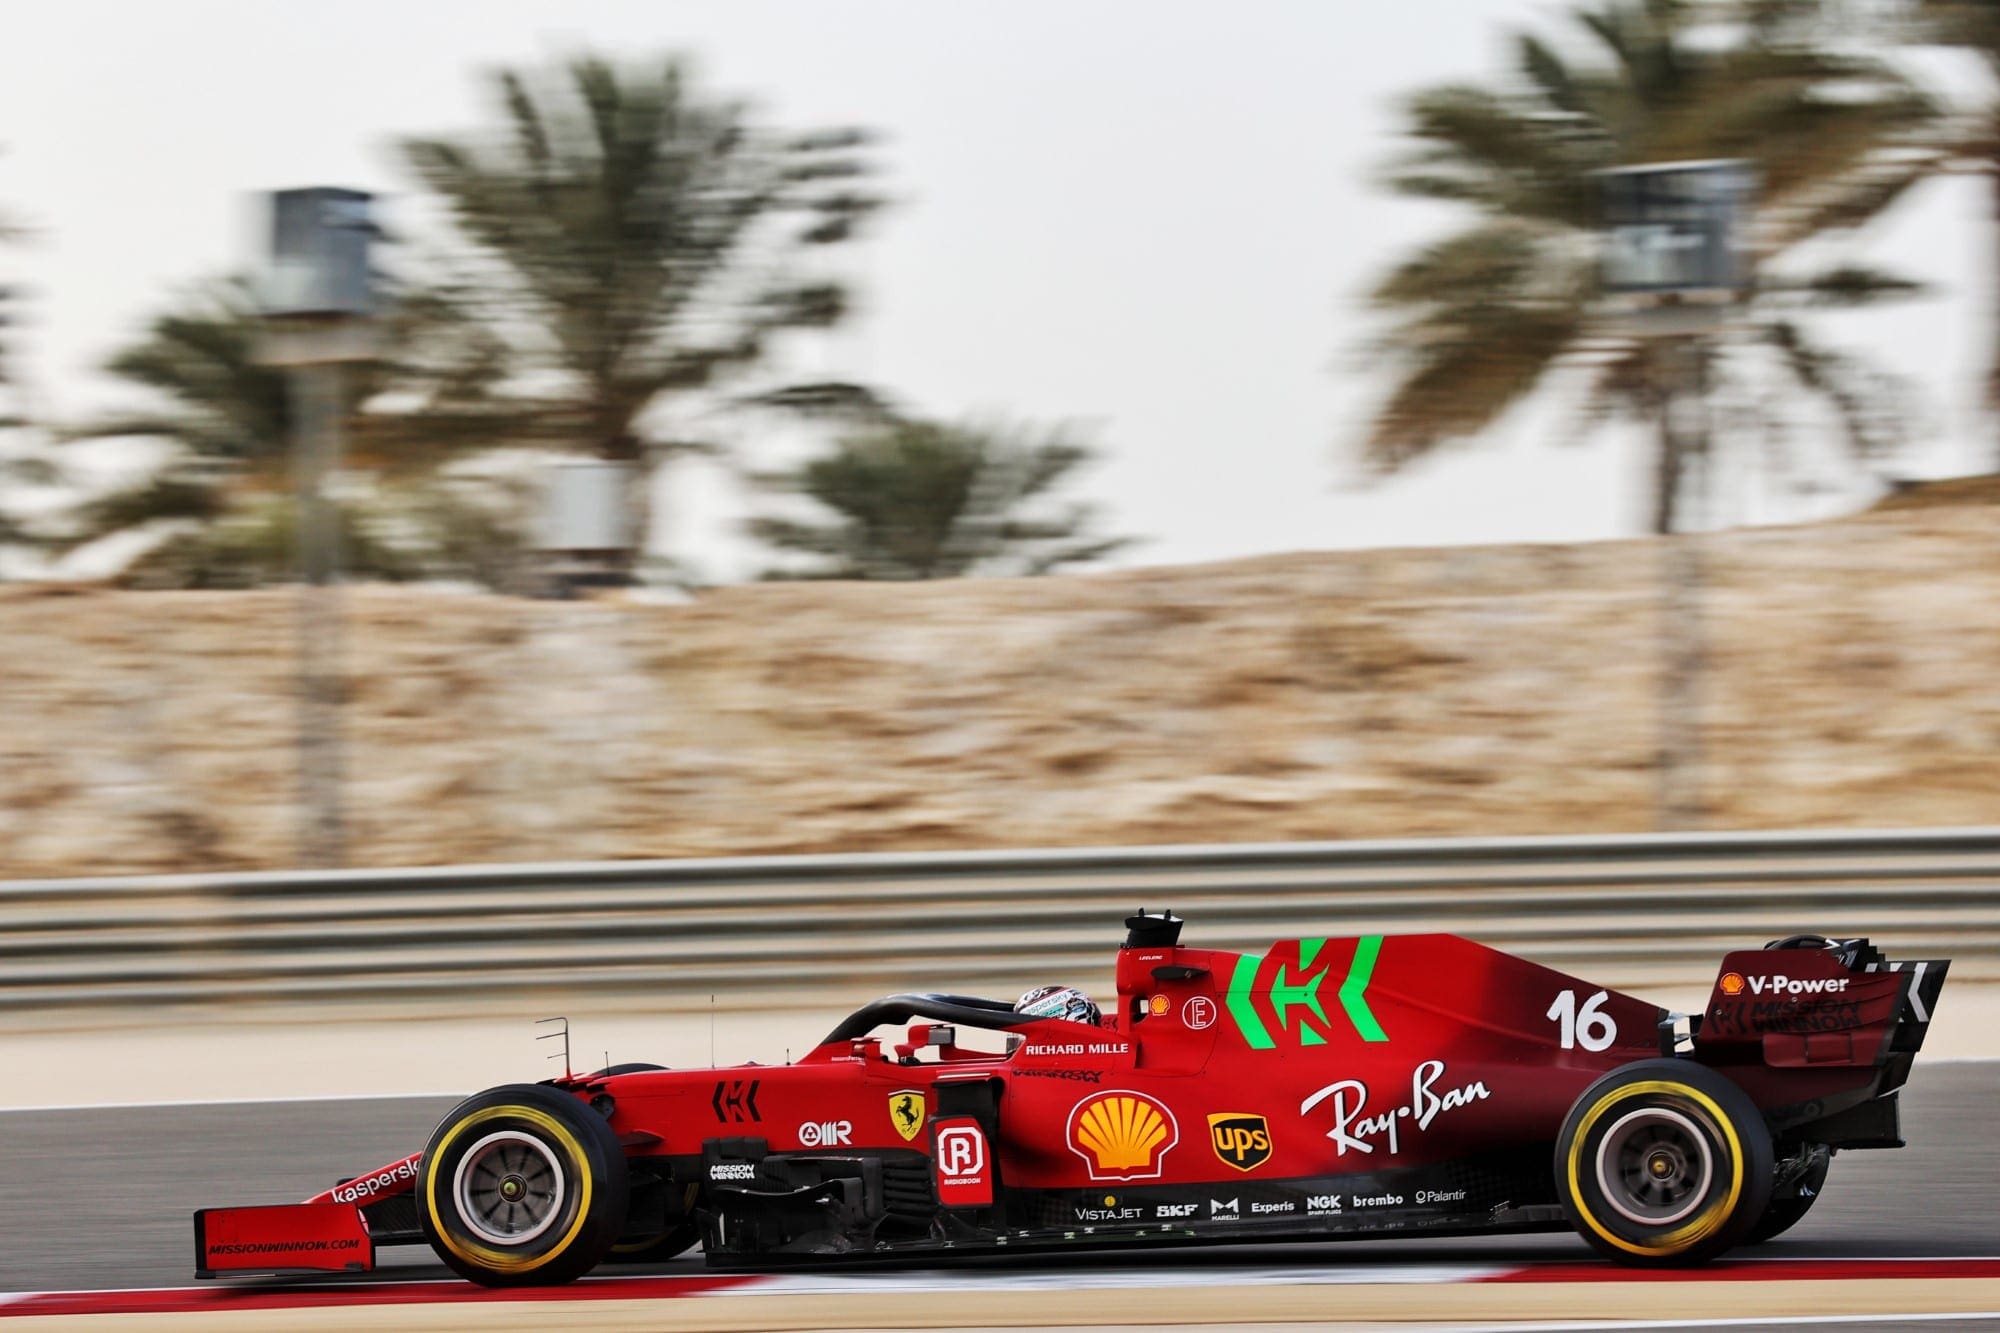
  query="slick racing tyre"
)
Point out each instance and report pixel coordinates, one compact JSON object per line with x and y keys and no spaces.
{"x":1789,"y":1205}
{"x":522,"y":1186}
{"x":1664,"y":1163}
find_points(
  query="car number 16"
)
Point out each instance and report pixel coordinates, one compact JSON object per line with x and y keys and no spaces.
{"x":1589,"y":1027}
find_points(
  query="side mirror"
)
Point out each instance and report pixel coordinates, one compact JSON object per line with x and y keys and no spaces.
{"x":941,"y":1035}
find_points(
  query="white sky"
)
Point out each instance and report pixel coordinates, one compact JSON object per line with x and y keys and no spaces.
{"x":1154,"y":217}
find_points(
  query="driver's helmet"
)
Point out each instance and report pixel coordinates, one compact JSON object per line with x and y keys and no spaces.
{"x":1059,"y":1002}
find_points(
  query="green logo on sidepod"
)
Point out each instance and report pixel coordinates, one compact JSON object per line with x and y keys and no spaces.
{"x":1296,"y":986}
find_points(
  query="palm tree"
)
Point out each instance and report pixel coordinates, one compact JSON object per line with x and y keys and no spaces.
{"x":8,"y":418}
{"x":1479,"y":319}
{"x":642,"y":240}
{"x":1974,"y":25}
{"x":223,"y":492}
{"x":919,"y":500}
{"x":14,"y":468}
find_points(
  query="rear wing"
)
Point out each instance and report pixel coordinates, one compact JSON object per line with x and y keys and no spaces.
{"x":1920,"y":997}
{"x":1809,"y":1000}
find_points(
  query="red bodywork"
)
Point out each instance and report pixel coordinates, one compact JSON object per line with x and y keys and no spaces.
{"x":1344,"y":1085}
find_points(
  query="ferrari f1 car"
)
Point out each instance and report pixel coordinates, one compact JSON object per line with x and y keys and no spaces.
{"x":1327,"y":1088}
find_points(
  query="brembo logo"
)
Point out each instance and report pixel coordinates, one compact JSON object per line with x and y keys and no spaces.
{"x":367,"y":1187}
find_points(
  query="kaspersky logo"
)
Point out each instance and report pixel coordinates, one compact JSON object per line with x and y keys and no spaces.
{"x":1282,"y":994}
{"x":1240,"y":1141}
{"x":1122,"y":1135}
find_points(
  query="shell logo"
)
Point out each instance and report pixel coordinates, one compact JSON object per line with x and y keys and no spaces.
{"x":1732,"y":984}
{"x":1122,"y":1135}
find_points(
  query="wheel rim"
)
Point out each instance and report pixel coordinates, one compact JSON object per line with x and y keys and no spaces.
{"x":1654,"y":1166}
{"x":509,"y":1188}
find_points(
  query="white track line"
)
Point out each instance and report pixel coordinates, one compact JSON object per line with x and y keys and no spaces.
{"x":986,"y":1278}
{"x":799,"y":1284}
{"x":1733,"y":1321}
{"x":237,"y":1101}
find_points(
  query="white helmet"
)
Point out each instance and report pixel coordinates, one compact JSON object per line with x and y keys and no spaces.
{"x":1059,"y":1002}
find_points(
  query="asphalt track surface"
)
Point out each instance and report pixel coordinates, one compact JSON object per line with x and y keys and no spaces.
{"x":97,"y":1198}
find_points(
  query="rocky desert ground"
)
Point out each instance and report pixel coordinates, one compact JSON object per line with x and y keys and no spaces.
{"x":1852,"y":678}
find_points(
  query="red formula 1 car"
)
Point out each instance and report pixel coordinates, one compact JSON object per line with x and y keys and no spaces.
{"x":1360,"y":1087}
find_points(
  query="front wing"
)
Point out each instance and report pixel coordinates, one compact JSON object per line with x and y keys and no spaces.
{"x":283,"y":1238}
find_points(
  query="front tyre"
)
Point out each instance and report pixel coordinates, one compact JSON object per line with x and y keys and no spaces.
{"x":522,"y":1186}
{"x":1664,"y":1163}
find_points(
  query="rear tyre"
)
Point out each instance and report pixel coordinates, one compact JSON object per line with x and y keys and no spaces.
{"x":522,"y":1186}
{"x":1788,"y":1206}
{"x":1664,"y":1163}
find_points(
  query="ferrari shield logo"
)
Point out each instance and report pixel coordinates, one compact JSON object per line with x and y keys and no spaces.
{"x":906,"y":1112}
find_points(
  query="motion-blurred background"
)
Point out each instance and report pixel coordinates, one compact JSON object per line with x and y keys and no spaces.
{"x":1025,"y":425}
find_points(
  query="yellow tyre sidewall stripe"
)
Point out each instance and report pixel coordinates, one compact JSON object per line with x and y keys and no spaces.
{"x":1697,"y":1228}
{"x":501,"y":1260}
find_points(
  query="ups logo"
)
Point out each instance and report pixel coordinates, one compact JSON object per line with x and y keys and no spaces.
{"x":1241,"y":1141}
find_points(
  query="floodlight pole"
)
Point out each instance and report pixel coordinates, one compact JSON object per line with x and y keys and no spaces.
{"x":315,"y":390}
{"x":319,"y":300}
{"x":1682,"y":641}
{"x":1674,"y":267}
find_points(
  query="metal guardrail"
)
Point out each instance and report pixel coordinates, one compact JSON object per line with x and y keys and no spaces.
{"x":1623,"y":910}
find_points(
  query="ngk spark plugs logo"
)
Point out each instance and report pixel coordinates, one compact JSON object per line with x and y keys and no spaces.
{"x":964,"y":1179}
{"x":1122,"y":1135}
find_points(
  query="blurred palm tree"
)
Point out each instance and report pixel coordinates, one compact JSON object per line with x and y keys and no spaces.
{"x":641,"y":240}
{"x":919,"y":500}
{"x":1480,"y":318}
{"x":14,"y":467}
{"x":1974,"y":25}
{"x":9,"y":416}
{"x":222,"y":493}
